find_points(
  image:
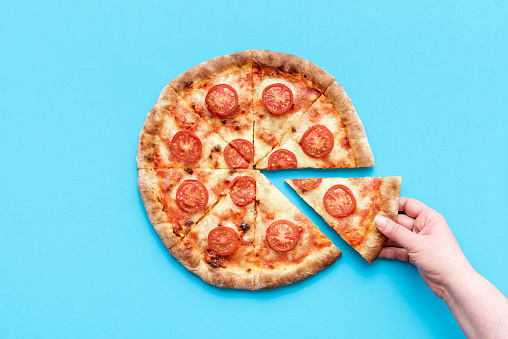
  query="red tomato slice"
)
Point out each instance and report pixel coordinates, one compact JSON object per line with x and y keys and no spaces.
{"x":282,"y":158}
{"x":243,"y":190}
{"x":308,"y":184}
{"x":317,"y":141}
{"x":222,"y":240}
{"x":339,"y":201}
{"x":192,"y":196}
{"x":282,"y":236}
{"x":185,"y":146}
{"x":277,"y":98}
{"x":233,"y":158}
{"x":245,"y":147}
{"x":221,"y":100}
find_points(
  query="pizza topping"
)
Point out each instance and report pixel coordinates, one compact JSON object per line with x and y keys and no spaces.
{"x":308,"y":184}
{"x":185,"y":146}
{"x":277,"y":98}
{"x":282,"y":236}
{"x":243,"y":190}
{"x":189,"y":222}
{"x":317,"y":141}
{"x":282,"y":158}
{"x":188,"y":170}
{"x":217,"y":147}
{"x":245,"y":147}
{"x":339,"y":201}
{"x":233,"y":158}
{"x":221,"y":100}
{"x":245,"y":227}
{"x":192,"y":196}
{"x":222,"y":240}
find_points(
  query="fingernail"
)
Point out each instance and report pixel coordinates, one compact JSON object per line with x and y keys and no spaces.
{"x":380,"y":221}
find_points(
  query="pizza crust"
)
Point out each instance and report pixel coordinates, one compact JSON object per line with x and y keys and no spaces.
{"x":354,"y":127}
{"x":148,"y":190}
{"x":312,"y":264}
{"x":292,"y":64}
{"x":209,"y":68}
{"x":390,"y":193}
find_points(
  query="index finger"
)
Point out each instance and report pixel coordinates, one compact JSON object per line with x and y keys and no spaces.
{"x":411,"y":207}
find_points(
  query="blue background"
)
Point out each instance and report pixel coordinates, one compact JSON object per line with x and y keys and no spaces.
{"x":78,"y":256}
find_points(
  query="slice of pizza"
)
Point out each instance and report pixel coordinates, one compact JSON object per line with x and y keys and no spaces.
{"x":220,"y":248}
{"x":349,"y":205}
{"x":176,"y":199}
{"x":328,"y":135}
{"x":285,"y":86}
{"x":220,"y":91}
{"x":289,"y":247}
{"x":174,"y":136}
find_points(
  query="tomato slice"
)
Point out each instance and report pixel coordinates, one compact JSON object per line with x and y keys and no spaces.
{"x":221,"y":100}
{"x":192,"y":196}
{"x":277,"y":98}
{"x":317,"y":141}
{"x":308,"y":184}
{"x":185,"y":146}
{"x":245,"y":147}
{"x":282,"y":236}
{"x":233,"y":158}
{"x":339,"y":201}
{"x":282,"y":158}
{"x":243,"y":190}
{"x":222,"y":240}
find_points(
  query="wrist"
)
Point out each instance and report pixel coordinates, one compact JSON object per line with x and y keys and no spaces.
{"x":459,"y":281}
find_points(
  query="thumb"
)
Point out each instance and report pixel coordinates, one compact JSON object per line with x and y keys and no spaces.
{"x":396,"y":232}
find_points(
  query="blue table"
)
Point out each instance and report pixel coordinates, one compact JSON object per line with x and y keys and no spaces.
{"x":78,"y":257}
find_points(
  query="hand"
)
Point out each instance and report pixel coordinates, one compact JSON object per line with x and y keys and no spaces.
{"x":423,"y":237}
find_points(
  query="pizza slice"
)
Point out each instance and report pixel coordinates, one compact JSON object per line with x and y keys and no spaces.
{"x":220,"y":248}
{"x":220,"y":91}
{"x":349,"y":205}
{"x":174,"y":136}
{"x":285,"y":86}
{"x":289,"y":247}
{"x":328,"y":135}
{"x":176,"y":199}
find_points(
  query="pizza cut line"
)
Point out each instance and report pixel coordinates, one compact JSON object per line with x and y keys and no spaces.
{"x":199,"y":152}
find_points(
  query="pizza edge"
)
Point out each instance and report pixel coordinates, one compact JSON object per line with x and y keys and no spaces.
{"x":354,"y":127}
{"x":390,"y":194}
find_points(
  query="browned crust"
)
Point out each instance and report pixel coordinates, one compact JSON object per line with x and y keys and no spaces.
{"x":220,"y":277}
{"x":210,"y":68}
{"x":292,"y":64}
{"x":390,"y":193}
{"x":354,"y":127}
{"x":148,"y":135}
{"x":147,"y":184}
{"x":313,"y":264}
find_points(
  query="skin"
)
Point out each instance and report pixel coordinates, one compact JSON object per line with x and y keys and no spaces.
{"x":423,"y":237}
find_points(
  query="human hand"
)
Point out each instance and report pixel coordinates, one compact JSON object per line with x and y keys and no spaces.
{"x":422,"y":237}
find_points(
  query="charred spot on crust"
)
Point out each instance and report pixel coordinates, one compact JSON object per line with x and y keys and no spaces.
{"x":176,"y":233}
{"x":237,"y":127}
{"x":188,"y":84}
{"x":293,"y":129}
{"x":223,"y":121}
{"x":305,"y":75}
{"x":248,"y":270}
{"x":214,"y":260}
{"x":188,"y":170}
{"x":189,"y":222}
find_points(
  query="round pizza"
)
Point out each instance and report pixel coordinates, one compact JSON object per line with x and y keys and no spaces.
{"x":199,"y":157}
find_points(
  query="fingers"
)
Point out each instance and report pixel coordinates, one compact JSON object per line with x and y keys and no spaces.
{"x":405,"y":221}
{"x":396,"y":232}
{"x":394,"y":253}
{"x":411,"y":207}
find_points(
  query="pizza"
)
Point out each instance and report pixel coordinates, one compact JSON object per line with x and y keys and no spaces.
{"x":349,"y":205}
{"x":200,"y":150}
